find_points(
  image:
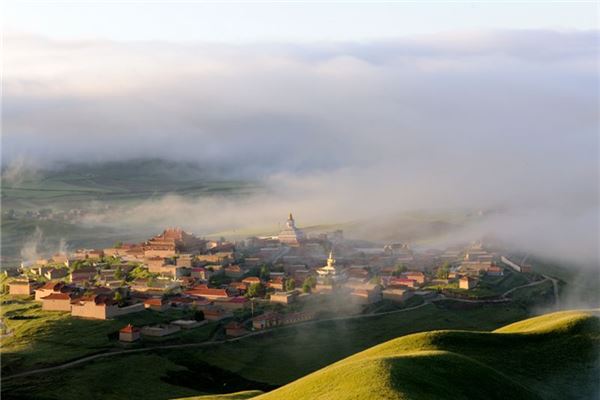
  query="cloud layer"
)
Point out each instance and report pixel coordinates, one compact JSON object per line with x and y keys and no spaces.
{"x":496,"y":119}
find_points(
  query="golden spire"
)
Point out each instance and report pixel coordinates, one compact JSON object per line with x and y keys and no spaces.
{"x":330,"y":260}
{"x":291,"y":218}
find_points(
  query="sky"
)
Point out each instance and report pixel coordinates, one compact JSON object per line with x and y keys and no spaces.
{"x":342,"y":109}
{"x":286,"y":21}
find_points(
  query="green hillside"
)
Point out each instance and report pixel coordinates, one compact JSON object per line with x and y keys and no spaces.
{"x":550,"y":357}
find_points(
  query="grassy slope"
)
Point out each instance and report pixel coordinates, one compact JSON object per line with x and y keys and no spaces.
{"x":41,"y":338}
{"x":278,"y":358}
{"x":290,"y":353}
{"x":551,"y":357}
{"x":247,"y":394}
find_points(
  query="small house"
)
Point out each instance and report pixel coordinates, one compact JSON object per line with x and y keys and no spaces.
{"x":129,"y":333}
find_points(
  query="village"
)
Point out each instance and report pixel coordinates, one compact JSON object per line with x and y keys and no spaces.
{"x":260,"y":283}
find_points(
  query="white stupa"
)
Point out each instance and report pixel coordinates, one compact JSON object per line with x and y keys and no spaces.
{"x":291,"y":235}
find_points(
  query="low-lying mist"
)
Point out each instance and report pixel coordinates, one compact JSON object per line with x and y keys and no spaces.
{"x":499,"y":122}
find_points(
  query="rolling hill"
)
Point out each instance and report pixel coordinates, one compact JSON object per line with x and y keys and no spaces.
{"x":554,"y":356}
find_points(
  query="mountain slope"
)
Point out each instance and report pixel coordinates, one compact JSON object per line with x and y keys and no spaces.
{"x":551,"y":357}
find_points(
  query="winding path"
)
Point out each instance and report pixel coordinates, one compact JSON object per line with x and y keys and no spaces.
{"x":263,"y":332}
{"x":202,"y":344}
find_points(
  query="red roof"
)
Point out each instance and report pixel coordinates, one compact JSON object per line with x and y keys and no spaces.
{"x":54,"y":286}
{"x":251,"y":279}
{"x":129,"y":329}
{"x":207,"y":292}
{"x":154,"y":302}
{"x":57,"y":296}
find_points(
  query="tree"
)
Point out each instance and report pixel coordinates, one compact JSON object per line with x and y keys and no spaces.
{"x":119,"y":273}
{"x":290,"y":284}
{"x":256,"y":290}
{"x":198,"y":315}
{"x":443,"y":271}
{"x":309,"y":283}
{"x":376,"y":280}
{"x":264,"y":272}
{"x":140,"y":272}
{"x":119,"y":298}
{"x":399,"y":270}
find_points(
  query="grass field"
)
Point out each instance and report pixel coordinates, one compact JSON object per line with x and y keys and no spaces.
{"x":550,"y":357}
{"x":247,"y":394}
{"x":271,"y":360}
{"x":41,"y":338}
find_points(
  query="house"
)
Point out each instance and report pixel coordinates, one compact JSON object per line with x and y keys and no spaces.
{"x":184,"y":260}
{"x":154,"y":264}
{"x":209,"y":293}
{"x":411,"y":283}
{"x":201,"y":273}
{"x":276,"y":283}
{"x":159,"y":285}
{"x":358,"y":272}
{"x":474,"y":267}
{"x":101,"y":306}
{"x":216,"y":258}
{"x":284,"y":297}
{"x":233,"y":303}
{"x":129,"y":333}
{"x":165,"y":269}
{"x":238,"y":287}
{"x":57,"y":302}
{"x":181,"y":302}
{"x":234,"y":271}
{"x":82,"y":275}
{"x":466,"y":282}
{"x":495,"y":271}
{"x":56,"y":273}
{"x":22,"y":287}
{"x":156,"y":304}
{"x":273,"y":319}
{"x":266,"y":321}
{"x":60,"y":259}
{"x":91,"y":254}
{"x":416,"y":276}
{"x":51,"y":287}
{"x":235,"y":329}
{"x":251,"y":280}
{"x":215,"y":313}
{"x":397,"y":294}
{"x":367,"y":296}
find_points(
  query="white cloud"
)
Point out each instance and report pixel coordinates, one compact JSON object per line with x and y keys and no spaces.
{"x":472,"y":119}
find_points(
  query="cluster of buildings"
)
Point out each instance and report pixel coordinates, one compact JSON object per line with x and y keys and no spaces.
{"x":176,"y":269}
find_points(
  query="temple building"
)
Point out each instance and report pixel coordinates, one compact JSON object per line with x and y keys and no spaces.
{"x":172,"y":241}
{"x":291,"y":235}
{"x":329,"y":275}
